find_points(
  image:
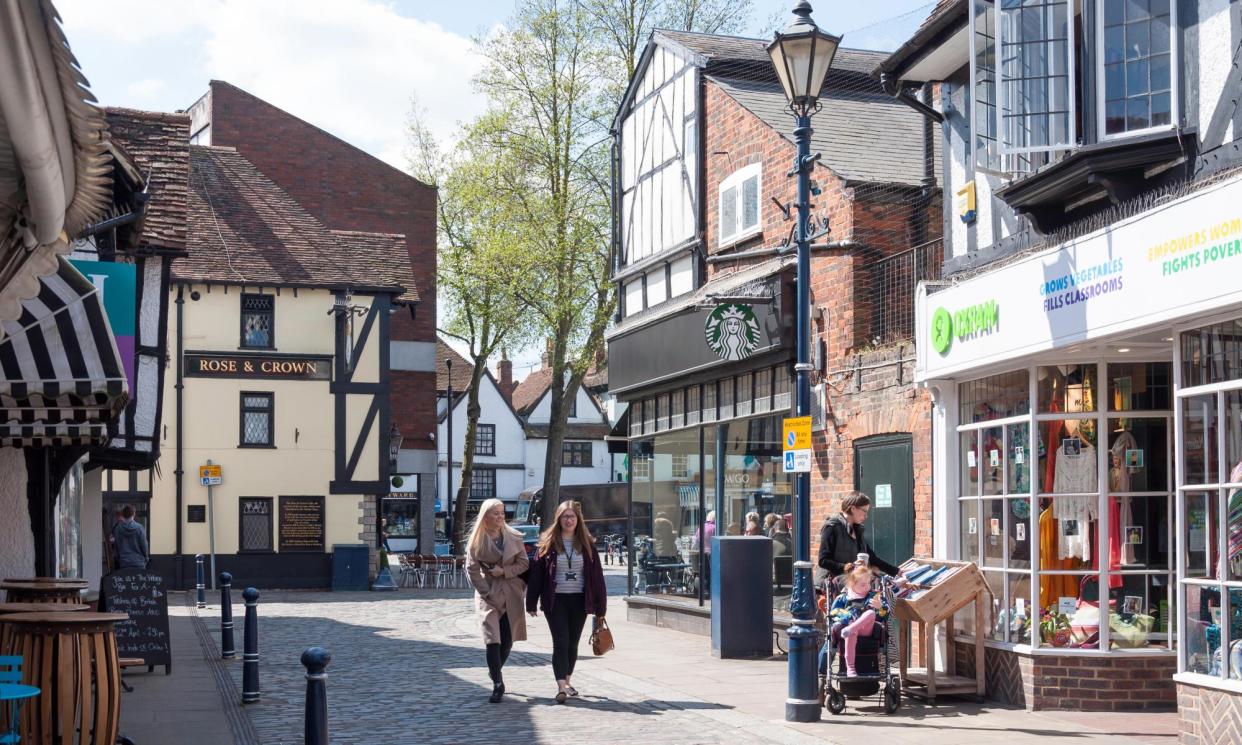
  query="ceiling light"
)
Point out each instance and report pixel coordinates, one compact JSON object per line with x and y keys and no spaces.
{"x":1168,"y":338}
{"x":1123,"y":350}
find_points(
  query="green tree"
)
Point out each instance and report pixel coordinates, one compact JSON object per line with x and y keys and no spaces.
{"x":479,"y":246}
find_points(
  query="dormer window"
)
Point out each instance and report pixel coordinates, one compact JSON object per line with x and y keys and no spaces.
{"x":1136,"y":50}
{"x":739,"y":205}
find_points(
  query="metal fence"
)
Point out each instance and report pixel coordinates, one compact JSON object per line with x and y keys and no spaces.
{"x":892,"y":287}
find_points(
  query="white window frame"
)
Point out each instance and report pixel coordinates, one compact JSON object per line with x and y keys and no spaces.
{"x":735,"y":181}
{"x":1100,"y":94}
{"x":1002,"y":105}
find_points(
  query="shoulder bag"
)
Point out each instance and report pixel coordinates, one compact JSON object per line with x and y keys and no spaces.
{"x":601,"y":637}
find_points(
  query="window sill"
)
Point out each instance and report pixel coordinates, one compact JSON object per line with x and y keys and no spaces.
{"x":244,"y":348}
{"x":244,"y":446}
{"x":1027,"y":649}
{"x":1209,"y":681}
{"x":742,"y":237}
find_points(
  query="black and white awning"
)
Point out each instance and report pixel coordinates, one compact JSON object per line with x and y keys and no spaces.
{"x":61,"y":377}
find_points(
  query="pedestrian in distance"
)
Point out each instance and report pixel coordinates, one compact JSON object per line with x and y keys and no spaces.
{"x":130,"y":540}
{"x":567,"y":581}
{"x":752,"y":524}
{"x":495,"y":561}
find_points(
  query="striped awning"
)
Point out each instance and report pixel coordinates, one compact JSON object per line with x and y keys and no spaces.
{"x":61,"y":377}
{"x":688,"y":495}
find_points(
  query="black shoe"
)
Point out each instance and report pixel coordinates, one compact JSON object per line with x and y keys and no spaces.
{"x":560,"y":697}
{"x":498,"y":690}
{"x":572,"y":691}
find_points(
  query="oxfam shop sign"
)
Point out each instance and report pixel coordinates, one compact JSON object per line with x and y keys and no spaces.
{"x":965,"y":323}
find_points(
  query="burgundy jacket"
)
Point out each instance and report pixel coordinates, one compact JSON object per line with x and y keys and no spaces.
{"x":541,"y":586}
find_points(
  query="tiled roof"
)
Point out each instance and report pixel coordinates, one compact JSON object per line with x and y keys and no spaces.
{"x":530,"y":390}
{"x":461,"y":369}
{"x":158,"y":144}
{"x":381,"y":255}
{"x":243,"y":228}
{"x":722,"y":50}
{"x":944,"y":15}
{"x":596,"y":377}
{"x":862,"y":137}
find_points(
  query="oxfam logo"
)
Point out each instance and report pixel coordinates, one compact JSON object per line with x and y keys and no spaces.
{"x":963,"y":324}
{"x":941,"y":330}
{"x":732,"y":331}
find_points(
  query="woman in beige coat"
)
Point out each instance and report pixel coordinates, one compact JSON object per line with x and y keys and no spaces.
{"x":495,"y":561}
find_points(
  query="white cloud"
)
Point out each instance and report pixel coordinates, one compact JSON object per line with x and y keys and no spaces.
{"x":146,"y":88}
{"x":348,"y":66}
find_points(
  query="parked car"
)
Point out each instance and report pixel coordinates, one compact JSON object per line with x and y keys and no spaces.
{"x":530,"y":538}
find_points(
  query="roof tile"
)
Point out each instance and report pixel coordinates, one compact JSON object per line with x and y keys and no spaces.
{"x":461,"y":368}
{"x":530,"y":390}
{"x":158,"y":143}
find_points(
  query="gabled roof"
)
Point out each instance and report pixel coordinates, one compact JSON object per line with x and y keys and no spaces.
{"x":159,"y":146}
{"x":244,"y":229}
{"x":461,"y":369}
{"x":531,"y":389}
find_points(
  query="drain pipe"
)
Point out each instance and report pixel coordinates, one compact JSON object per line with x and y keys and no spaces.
{"x":779,"y":250}
{"x":180,"y":388}
{"x":894,"y":89}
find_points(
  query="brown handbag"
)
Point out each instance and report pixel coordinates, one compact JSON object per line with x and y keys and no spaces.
{"x":601,"y":637}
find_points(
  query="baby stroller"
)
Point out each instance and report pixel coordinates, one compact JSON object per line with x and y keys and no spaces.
{"x":872,"y":663}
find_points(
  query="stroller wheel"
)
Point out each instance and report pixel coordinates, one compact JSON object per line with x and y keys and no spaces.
{"x":836,"y":701}
{"x":892,"y":695}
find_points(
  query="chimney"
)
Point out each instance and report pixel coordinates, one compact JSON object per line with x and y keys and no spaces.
{"x":547,"y":355}
{"x":505,"y":366}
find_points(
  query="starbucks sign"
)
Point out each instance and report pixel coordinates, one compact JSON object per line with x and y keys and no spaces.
{"x":732,"y":331}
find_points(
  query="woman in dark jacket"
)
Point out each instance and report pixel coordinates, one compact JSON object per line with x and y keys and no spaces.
{"x":841,"y":539}
{"x":567,"y":581}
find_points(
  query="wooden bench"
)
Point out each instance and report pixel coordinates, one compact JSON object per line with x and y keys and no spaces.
{"x":125,"y":662}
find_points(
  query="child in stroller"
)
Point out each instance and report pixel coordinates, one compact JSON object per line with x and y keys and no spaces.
{"x":857,"y":625}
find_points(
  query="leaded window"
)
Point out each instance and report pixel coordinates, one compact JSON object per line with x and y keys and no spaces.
{"x":255,"y":529}
{"x":257,"y":410}
{"x":257,"y":316}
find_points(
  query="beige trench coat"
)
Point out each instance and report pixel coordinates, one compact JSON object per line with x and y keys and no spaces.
{"x":497,"y":596}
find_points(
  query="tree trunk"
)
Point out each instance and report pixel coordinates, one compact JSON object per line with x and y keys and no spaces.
{"x":552,"y":463}
{"x":467,"y":456}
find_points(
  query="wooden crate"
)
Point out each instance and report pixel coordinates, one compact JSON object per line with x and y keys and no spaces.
{"x":960,"y":585}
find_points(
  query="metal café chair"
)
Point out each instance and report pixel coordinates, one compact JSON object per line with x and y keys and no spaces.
{"x":445,"y":568}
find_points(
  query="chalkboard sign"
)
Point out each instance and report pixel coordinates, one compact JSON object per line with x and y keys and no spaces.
{"x":141,"y":594}
{"x":301,"y":524}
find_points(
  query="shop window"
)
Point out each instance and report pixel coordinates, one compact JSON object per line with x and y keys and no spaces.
{"x":739,"y":205}
{"x":745,"y":394}
{"x":663,"y":404}
{"x":677,"y":409}
{"x":680,"y":465}
{"x":693,"y":411}
{"x":257,"y":321}
{"x":709,"y":402}
{"x":763,"y":391}
{"x":781,"y":400}
{"x":649,"y":416}
{"x":255,"y":529}
{"x":641,"y":470}
{"x":576,"y":454}
{"x":1103,"y":538}
{"x":1212,"y":354}
{"x":667,"y":514}
{"x":257,"y":412}
{"x":1137,"y":79}
{"x":727,"y":398}
{"x":482,"y":484}
{"x":485,"y":439}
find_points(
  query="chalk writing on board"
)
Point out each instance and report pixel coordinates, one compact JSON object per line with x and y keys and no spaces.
{"x":140,"y":594}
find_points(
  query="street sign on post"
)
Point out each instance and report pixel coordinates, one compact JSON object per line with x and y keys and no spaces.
{"x":796,"y":442}
{"x":210,"y":475}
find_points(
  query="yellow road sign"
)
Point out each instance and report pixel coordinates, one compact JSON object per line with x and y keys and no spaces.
{"x":210,"y":475}
{"x":796,"y":433}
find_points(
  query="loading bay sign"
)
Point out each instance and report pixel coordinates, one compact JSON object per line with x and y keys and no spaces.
{"x":796,"y":442}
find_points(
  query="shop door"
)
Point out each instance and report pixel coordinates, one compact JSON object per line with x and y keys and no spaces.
{"x":884,"y":471}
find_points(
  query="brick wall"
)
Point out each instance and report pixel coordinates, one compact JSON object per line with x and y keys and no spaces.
{"x":1208,"y":716}
{"x":346,"y":189}
{"x":1118,"y":682}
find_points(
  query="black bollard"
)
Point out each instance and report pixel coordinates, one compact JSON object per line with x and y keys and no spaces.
{"x":202,"y":590}
{"x":316,"y":659}
{"x":227,"y":652}
{"x":250,"y":655}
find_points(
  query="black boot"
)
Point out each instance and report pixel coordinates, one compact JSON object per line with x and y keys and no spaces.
{"x":498,"y":690}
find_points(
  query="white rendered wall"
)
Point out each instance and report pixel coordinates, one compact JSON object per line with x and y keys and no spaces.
{"x":17,"y":553}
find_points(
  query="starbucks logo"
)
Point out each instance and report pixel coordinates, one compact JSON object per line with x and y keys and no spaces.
{"x":732,"y":331}
{"x":941,"y":330}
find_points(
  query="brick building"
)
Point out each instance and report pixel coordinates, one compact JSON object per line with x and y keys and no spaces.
{"x":346,"y":189}
{"x":705,"y":404}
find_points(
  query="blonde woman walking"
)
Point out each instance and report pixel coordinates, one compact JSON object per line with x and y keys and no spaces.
{"x":567,"y":580}
{"x":495,"y":560}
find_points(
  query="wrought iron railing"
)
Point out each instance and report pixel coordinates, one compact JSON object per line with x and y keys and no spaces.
{"x":893,"y":282}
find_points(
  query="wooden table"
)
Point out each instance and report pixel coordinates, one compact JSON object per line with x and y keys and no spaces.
{"x":72,"y":658}
{"x":29,"y":591}
{"x":35,"y":608}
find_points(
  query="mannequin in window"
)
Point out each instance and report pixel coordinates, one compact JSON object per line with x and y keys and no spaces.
{"x":1075,"y":475}
{"x":1119,"y":481}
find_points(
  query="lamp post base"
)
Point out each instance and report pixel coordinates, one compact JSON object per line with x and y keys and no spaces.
{"x":802,"y":703}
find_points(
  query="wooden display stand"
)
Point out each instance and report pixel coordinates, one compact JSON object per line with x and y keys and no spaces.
{"x":958,"y":586}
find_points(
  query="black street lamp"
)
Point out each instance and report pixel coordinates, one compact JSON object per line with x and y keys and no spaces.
{"x":802,"y":54}
{"x":448,"y":446}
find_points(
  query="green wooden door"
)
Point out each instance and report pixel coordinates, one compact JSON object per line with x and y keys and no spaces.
{"x":884,"y":471}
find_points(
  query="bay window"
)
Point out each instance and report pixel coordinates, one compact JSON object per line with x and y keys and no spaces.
{"x":1135,"y":51}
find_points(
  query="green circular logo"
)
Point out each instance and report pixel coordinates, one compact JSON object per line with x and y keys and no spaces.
{"x":732,"y":331}
{"x":941,"y":330}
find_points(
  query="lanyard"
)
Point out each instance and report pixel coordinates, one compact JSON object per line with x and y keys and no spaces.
{"x":569,"y":557}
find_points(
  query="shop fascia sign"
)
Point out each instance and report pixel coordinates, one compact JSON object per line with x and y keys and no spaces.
{"x":732,"y":331}
{"x":962,"y":324}
{"x":1175,"y":261}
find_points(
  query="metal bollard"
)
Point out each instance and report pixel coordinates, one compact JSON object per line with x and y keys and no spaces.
{"x":227,"y":652}
{"x":316,"y":659}
{"x":250,"y":653}
{"x":202,"y":590}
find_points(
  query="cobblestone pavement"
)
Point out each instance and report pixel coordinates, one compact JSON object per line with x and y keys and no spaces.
{"x":410,"y":669}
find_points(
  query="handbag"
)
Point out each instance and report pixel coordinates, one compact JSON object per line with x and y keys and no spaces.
{"x":601,"y":637}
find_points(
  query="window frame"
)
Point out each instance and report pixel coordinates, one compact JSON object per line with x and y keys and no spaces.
{"x":489,"y":440}
{"x":476,"y":473}
{"x":270,"y":410}
{"x":271,"y":323}
{"x":570,"y":447}
{"x":271,"y":520}
{"x":1101,"y":82}
{"x":1008,"y":153}
{"x":737,"y":181}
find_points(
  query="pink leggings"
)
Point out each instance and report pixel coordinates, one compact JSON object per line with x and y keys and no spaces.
{"x":860,"y":627}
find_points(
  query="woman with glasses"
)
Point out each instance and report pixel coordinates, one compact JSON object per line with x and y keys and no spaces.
{"x":567,"y":580}
{"x":842,"y":539}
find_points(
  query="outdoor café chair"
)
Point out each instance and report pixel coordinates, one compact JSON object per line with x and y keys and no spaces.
{"x":13,"y":694}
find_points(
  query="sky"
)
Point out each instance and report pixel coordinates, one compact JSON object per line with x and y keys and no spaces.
{"x":353,"y":67}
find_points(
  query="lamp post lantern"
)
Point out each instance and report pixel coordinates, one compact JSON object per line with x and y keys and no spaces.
{"x":802,"y":54}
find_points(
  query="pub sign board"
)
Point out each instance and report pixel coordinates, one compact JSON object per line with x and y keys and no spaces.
{"x":269,"y":366}
{"x":301,"y":524}
{"x":139,"y":593}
